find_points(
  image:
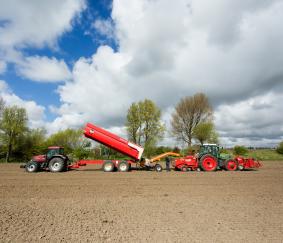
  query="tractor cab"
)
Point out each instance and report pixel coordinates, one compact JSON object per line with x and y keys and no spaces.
{"x":54,"y":150}
{"x":212,"y":149}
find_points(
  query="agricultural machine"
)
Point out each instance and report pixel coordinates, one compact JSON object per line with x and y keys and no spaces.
{"x":56,"y":161}
{"x":209,"y":158}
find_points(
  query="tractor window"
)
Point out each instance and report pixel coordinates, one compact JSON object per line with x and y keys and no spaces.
{"x":61,"y":151}
{"x":52,"y":152}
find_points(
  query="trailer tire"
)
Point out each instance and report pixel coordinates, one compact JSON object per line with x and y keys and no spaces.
{"x":231,"y":165}
{"x":32,"y":167}
{"x":56,"y":165}
{"x":158,"y":168}
{"x":123,"y":166}
{"x":208,"y":163}
{"x":108,"y":166}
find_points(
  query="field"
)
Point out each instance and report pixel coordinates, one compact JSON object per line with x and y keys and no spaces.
{"x":265,"y":154}
{"x":88,"y":205}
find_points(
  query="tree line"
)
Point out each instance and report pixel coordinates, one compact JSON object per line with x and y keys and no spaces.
{"x":191,"y":121}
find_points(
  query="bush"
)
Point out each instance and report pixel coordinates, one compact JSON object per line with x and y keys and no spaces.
{"x":279,"y":149}
{"x":193,"y":150}
{"x":240,"y":150}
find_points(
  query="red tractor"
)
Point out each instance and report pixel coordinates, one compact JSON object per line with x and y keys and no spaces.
{"x":210,"y":159}
{"x":54,"y":160}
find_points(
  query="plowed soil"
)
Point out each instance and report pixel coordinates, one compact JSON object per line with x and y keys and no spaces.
{"x":88,"y":205}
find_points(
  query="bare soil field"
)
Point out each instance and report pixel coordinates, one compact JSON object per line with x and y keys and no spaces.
{"x":88,"y":205}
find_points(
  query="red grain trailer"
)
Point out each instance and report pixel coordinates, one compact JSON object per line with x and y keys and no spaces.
{"x":115,"y":142}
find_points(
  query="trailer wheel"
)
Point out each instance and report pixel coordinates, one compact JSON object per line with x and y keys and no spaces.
{"x":184,"y":168}
{"x":56,"y":165}
{"x":158,"y":168}
{"x":123,"y":166}
{"x":108,"y":166}
{"x":208,"y":163}
{"x":231,"y":165}
{"x":32,"y":167}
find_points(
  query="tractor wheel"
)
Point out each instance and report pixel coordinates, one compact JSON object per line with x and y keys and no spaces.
{"x":158,"y":168}
{"x":123,"y":166}
{"x":32,"y":167}
{"x":56,"y":165}
{"x":108,"y":166}
{"x":241,"y":167}
{"x":184,"y":168}
{"x":231,"y":165}
{"x":208,"y":163}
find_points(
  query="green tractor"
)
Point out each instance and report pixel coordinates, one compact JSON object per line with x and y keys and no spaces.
{"x":211,"y":159}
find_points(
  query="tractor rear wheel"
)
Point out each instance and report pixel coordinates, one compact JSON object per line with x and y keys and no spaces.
{"x":123,"y":166}
{"x":158,"y":168}
{"x":208,"y":163}
{"x":231,"y":165}
{"x":32,"y":167}
{"x":108,"y":166}
{"x":56,"y":165}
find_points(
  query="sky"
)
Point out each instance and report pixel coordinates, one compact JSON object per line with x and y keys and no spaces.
{"x":76,"y":61}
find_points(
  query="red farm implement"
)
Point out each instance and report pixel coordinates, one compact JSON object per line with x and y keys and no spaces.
{"x":210,"y":159}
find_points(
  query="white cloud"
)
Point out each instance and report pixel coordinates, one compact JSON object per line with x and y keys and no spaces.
{"x":170,"y":49}
{"x":104,"y":27}
{"x":2,"y":66}
{"x":35,"y":112}
{"x":36,"y":23}
{"x":257,"y":120}
{"x":44,"y":69}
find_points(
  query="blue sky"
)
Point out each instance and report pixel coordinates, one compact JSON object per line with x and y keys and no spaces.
{"x":77,"y":61}
{"x":71,"y":46}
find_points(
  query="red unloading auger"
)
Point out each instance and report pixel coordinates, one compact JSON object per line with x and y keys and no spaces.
{"x":113,"y":141}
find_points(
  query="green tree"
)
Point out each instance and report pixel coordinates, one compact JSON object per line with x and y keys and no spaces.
{"x":205,"y":132}
{"x":2,"y":106}
{"x":240,"y":150}
{"x":73,"y":142}
{"x":189,"y":112}
{"x":133,"y":123}
{"x":144,"y":124}
{"x":152,"y":128}
{"x":279,"y":149}
{"x":31,"y":142}
{"x":13,"y":125}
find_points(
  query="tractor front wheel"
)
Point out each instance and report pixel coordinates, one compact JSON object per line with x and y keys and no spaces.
{"x":231,"y":165}
{"x":56,"y":165}
{"x":241,"y":167}
{"x":32,"y":167}
{"x":208,"y":163}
